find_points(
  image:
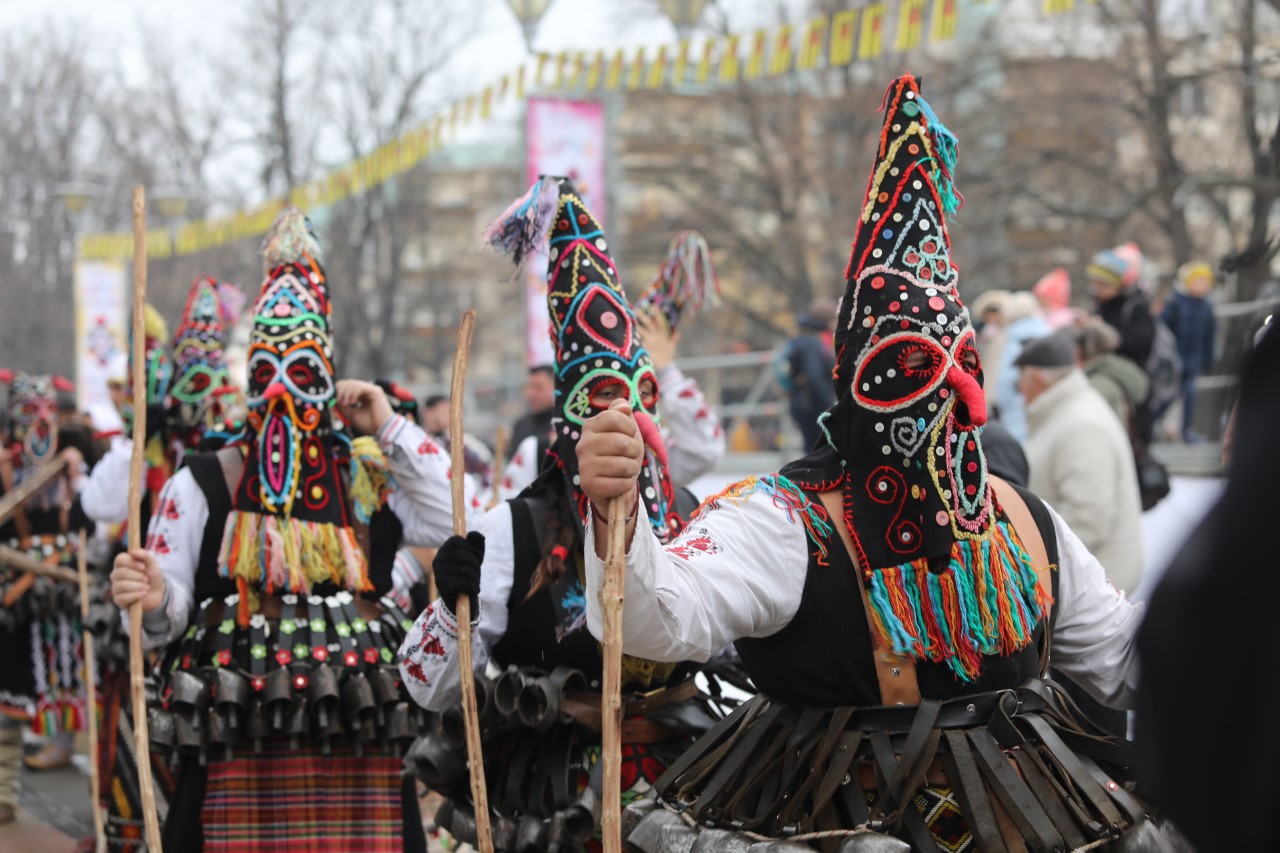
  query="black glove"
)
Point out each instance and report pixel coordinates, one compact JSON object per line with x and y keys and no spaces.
{"x":457,"y":568}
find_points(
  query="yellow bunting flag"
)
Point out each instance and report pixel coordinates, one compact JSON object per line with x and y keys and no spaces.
{"x":780,"y":62}
{"x":681,"y":65}
{"x":613,"y":77}
{"x":636,"y":75}
{"x":842,"y":32}
{"x":729,"y":60}
{"x":453,"y":118}
{"x":755,"y":59}
{"x":468,"y":109}
{"x":520,"y":82}
{"x":703,"y":73}
{"x":1058,"y":7}
{"x":657,"y":70}
{"x":944,"y":20}
{"x":595,"y":71}
{"x":562,"y":64}
{"x":871,"y":35}
{"x":576,"y":70}
{"x":815,"y":38}
{"x":543,"y":59}
{"x":486,"y":102}
{"x":910,"y":25}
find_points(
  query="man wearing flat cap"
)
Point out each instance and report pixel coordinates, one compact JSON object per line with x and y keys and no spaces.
{"x":1081,"y":460}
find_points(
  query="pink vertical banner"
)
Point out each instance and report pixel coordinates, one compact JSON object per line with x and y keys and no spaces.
{"x":561,"y":138}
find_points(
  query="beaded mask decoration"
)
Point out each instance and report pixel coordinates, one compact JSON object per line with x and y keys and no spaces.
{"x":599,"y":355}
{"x":947,"y":577}
{"x":200,"y":378}
{"x":33,"y":430}
{"x":290,"y":527}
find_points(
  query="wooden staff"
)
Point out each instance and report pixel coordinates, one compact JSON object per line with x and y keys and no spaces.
{"x":457,"y":483}
{"x":20,"y":494}
{"x":90,"y":677}
{"x":499,"y":462}
{"x":137,"y":673}
{"x":611,"y":593}
{"x":24,"y":562}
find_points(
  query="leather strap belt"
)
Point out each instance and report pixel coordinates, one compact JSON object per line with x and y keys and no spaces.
{"x":584,"y":708}
{"x":273,"y":607}
{"x":896,"y":674}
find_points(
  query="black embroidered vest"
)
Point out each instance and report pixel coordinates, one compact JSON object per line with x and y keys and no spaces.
{"x":822,"y":658}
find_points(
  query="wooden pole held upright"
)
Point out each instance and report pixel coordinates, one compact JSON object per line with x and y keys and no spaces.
{"x":499,"y":463}
{"x":137,"y":466}
{"x":457,"y":483}
{"x":91,"y":699}
{"x":611,"y":593}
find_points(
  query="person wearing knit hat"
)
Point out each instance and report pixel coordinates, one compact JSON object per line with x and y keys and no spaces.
{"x":1113,"y":276}
{"x":522,"y":563}
{"x":1189,"y":315}
{"x":885,"y":593}
{"x":261,"y":578}
{"x":1054,"y":292}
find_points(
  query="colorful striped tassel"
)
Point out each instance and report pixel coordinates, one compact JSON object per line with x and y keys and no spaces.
{"x":371,"y":481}
{"x":687,"y":279}
{"x":270,"y":554}
{"x":525,"y":226}
{"x":985,"y":602}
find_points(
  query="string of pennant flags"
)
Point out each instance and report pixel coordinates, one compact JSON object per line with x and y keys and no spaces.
{"x":832,"y":41}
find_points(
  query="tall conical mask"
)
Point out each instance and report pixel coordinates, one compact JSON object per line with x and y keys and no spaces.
{"x":291,"y":525}
{"x":599,"y":355}
{"x":200,"y":376}
{"x":906,"y":424}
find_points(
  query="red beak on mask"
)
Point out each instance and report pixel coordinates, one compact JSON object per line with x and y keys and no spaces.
{"x":274,"y":390}
{"x":970,"y":393}
{"x":652,"y":436}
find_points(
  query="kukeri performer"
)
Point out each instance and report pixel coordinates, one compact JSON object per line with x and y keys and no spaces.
{"x":185,"y":414}
{"x":279,"y":689}
{"x":895,"y":604}
{"x":522,"y":562}
{"x":691,"y":429}
{"x":40,"y":682}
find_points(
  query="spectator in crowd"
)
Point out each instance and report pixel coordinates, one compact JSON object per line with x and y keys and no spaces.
{"x":1080,"y":457}
{"x":810,"y":359}
{"x":1113,"y":277}
{"x":540,"y":397}
{"x":1023,"y":324}
{"x":1054,"y":293}
{"x":1189,"y":315}
{"x":477,"y":458}
{"x":987,"y":311}
{"x":1120,"y":382}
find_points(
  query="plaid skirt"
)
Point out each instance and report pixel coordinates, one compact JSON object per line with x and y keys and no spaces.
{"x":281,"y":800}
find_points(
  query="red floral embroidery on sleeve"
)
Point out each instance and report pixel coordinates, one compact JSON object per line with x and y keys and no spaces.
{"x":428,"y":447}
{"x":687,"y":394}
{"x":431,"y":645}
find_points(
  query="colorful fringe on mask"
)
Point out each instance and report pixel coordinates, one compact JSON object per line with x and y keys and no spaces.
{"x":787,"y":496}
{"x":525,"y":226}
{"x":267,"y":553}
{"x":985,"y":602}
{"x":370,"y":478}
